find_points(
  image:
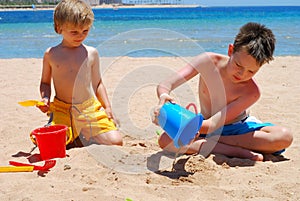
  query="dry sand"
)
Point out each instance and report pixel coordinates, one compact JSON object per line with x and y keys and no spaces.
{"x":140,"y":170}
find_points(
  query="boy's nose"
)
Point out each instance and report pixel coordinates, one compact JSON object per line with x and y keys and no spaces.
{"x":81,"y":35}
{"x":241,"y":72}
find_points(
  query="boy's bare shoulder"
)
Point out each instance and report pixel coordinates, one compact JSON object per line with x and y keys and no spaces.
{"x":51,"y":50}
{"x":92,"y":50}
{"x":253,"y":88}
{"x":218,"y":60}
{"x":211,"y":56}
{"x":47,"y":54}
{"x":217,"y":57}
{"x":93,"y":54}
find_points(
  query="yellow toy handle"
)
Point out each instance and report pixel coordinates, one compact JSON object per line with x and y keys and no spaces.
{"x":32,"y":138}
{"x":69,"y":137}
{"x":29,"y":103}
{"x":16,"y":169}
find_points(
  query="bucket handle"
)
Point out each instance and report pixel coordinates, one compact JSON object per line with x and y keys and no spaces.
{"x":32,"y":138}
{"x":69,"y":137}
{"x":193,"y":105}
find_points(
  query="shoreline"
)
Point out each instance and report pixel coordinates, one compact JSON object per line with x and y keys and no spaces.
{"x":107,"y":6}
{"x":117,"y":6}
{"x":145,"y":57}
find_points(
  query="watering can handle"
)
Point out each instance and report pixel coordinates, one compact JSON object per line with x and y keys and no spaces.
{"x":193,"y":105}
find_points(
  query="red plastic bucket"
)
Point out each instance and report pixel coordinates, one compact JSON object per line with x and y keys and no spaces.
{"x":51,"y":141}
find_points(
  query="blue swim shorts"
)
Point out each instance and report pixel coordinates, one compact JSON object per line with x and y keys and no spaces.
{"x":244,"y":126}
{"x":249,"y":124}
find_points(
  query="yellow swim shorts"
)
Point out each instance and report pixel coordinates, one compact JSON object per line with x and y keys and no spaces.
{"x":88,"y":117}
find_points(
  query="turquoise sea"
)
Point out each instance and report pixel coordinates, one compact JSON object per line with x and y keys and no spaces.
{"x":151,"y":32}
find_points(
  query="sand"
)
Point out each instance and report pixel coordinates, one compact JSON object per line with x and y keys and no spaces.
{"x":140,"y":170}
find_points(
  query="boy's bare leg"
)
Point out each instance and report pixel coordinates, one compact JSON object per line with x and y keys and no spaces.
{"x":166,"y":143}
{"x":232,"y":151}
{"x":266,"y":140}
{"x":113,"y":137}
{"x":109,"y":138}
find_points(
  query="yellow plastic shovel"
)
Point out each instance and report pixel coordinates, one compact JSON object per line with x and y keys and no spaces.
{"x":16,"y":169}
{"x":29,"y":103}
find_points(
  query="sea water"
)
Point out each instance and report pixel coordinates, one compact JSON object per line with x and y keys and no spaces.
{"x":151,"y":32}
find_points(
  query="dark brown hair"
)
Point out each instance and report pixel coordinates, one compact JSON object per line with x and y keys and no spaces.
{"x":257,"y":40}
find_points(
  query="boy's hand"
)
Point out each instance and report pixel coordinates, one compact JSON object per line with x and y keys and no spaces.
{"x":163,"y":98}
{"x":45,"y":108}
{"x":155,"y":113}
{"x":111,"y":115}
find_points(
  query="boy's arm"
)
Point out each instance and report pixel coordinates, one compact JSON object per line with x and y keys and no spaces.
{"x":189,"y":71}
{"x":202,"y":64}
{"x":181,"y":76}
{"x":205,"y":64}
{"x":98,"y":86}
{"x":45,"y":85}
{"x":229,"y":113}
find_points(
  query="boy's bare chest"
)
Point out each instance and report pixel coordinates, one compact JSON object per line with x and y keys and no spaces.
{"x":70,"y":67}
{"x":220,"y":95}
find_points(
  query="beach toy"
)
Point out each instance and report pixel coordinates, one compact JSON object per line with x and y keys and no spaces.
{"x":23,"y":167}
{"x":29,"y":103}
{"x":48,"y":164}
{"x":179,"y":123}
{"x":16,"y":169}
{"x":51,"y":141}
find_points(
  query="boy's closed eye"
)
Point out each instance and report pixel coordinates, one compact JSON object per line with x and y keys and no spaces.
{"x":241,"y":67}
{"x":238,"y":65}
{"x":77,"y":32}
{"x":74,"y":32}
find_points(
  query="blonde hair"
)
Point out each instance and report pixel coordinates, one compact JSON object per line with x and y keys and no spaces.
{"x":74,"y":12}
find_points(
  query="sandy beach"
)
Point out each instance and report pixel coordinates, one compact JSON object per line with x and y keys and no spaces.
{"x":140,"y":170}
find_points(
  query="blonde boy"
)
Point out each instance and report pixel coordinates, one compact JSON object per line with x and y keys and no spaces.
{"x":80,"y":100}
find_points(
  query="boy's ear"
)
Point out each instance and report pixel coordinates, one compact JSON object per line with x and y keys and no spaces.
{"x":57,"y":28}
{"x":230,"y":49}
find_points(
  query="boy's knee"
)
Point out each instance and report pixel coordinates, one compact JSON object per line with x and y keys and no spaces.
{"x":287,"y":136}
{"x":109,"y":138}
{"x":164,"y":140}
{"x":281,"y":138}
{"x":116,"y":138}
{"x":117,"y":141}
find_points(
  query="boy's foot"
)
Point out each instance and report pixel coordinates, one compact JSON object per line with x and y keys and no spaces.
{"x":257,"y":157}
